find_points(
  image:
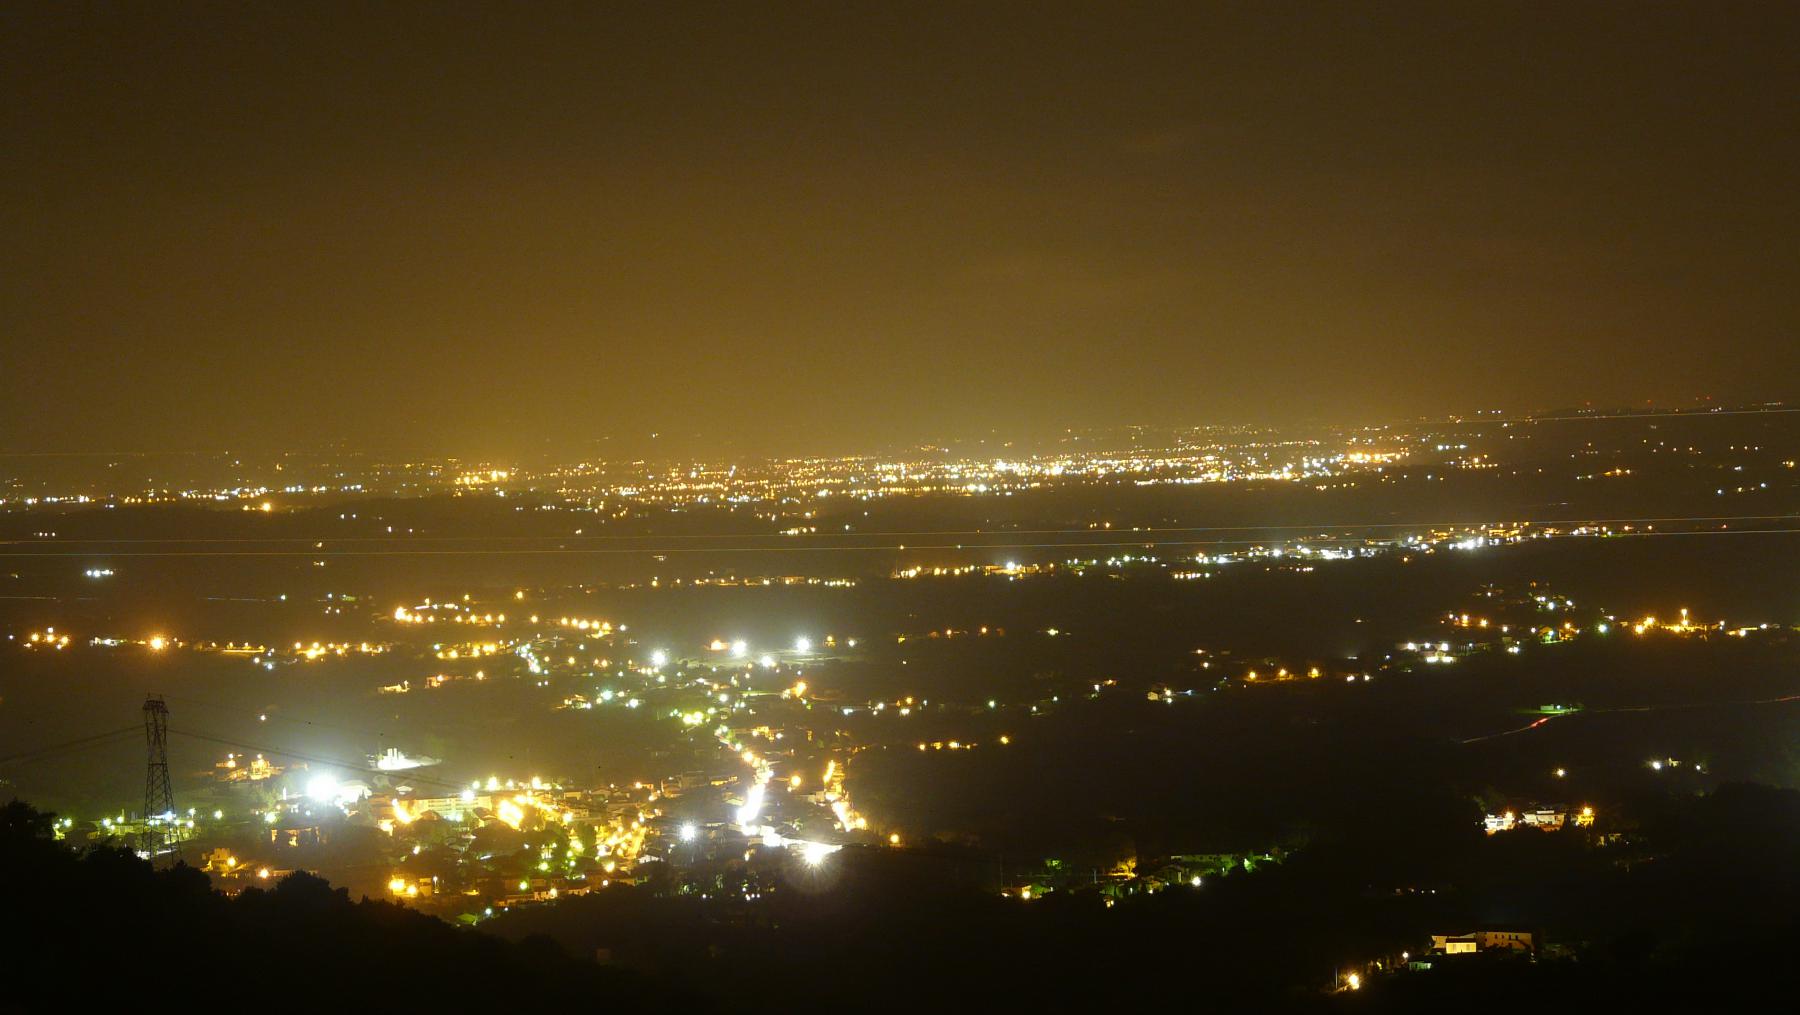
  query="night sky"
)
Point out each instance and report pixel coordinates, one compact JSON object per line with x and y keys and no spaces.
{"x":506,"y":228}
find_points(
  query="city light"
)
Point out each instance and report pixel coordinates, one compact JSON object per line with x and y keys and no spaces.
{"x":752,"y":807}
{"x":1233,"y":398}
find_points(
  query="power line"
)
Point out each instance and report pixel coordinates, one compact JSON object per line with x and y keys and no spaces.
{"x":314,"y":759}
{"x":39,"y":753}
{"x":122,"y":734}
{"x":263,"y":716}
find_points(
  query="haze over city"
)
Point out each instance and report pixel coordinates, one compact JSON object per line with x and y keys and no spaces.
{"x":810,"y":228}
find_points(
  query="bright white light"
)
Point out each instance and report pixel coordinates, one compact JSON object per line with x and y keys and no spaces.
{"x":803,"y":644}
{"x":321,"y":788}
{"x":753,"y":804}
{"x":768,"y":662}
{"x":740,"y":649}
{"x":395,"y":760}
{"x":659,"y":658}
{"x":814,"y":853}
{"x":689,"y":832}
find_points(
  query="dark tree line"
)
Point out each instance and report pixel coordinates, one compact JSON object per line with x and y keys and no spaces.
{"x":99,"y":926}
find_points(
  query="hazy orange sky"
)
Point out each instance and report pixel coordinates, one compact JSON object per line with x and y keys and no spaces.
{"x":798,"y":227}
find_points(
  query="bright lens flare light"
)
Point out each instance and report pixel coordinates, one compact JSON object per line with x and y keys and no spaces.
{"x":510,"y":813}
{"x":753,"y":804}
{"x":814,"y":853}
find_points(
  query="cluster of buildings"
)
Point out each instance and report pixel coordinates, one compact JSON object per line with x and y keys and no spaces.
{"x":1543,"y":819}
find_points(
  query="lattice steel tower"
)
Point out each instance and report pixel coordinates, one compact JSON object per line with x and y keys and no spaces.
{"x":159,"y":798}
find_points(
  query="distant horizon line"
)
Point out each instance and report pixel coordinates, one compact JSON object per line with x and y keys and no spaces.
{"x":1775,"y":407}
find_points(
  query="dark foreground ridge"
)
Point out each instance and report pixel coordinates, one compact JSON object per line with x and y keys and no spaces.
{"x":103,"y":927}
{"x":1709,"y":915}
